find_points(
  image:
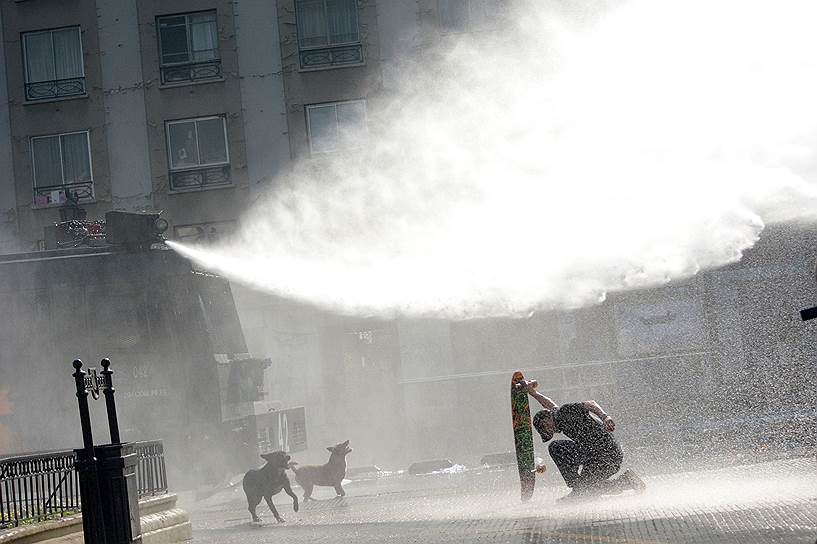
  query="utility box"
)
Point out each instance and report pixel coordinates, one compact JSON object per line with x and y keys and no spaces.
{"x":118,"y":515}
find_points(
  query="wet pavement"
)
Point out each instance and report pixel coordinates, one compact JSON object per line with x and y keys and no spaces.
{"x":769,"y":502}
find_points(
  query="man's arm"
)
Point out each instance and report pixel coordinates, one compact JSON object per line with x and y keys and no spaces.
{"x":594,"y":408}
{"x":546,"y":402}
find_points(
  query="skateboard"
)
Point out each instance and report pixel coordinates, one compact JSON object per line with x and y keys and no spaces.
{"x":523,"y":435}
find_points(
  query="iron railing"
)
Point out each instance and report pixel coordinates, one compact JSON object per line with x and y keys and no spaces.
{"x":200,"y":177}
{"x":41,"y":486}
{"x":331,"y":56}
{"x":37,"y":487}
{"x":48,"y":195}
{"x":151,"y":475}
{"x":55,"y":88}
{"x":191,"y":71}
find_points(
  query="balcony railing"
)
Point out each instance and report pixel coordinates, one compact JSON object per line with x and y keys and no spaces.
{"x":55,"y":88}
{"x":332,"y":56}
{"x":60,"y":194}
{"x":199,"y":178}
{"x":190,"y":72}
{"x":42,"y":486}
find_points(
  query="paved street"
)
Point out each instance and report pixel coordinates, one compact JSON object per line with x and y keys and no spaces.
{"x":770,"y":502}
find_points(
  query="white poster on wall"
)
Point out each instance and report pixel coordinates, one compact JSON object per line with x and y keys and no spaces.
{"x":660,"y":322}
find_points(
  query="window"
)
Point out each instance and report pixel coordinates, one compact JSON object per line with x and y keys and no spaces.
{"x":53,"y":64}
{"x":197,"y":153}
{"x":468,"y":15}
{"x":204,"y":233}
{"x":328,"y":33}
{"x":336,"y":126}
{"x":62,"y":168}
{"x":188,"y":47}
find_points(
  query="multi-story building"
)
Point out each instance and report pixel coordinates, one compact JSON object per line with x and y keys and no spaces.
{"x":172,"y":105}
{"x":193,"y":107}
{"x":189,"y":106}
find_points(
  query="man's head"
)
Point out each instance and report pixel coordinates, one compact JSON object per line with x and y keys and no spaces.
{"x":544,"y":424}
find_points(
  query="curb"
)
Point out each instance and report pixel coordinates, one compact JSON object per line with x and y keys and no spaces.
{"x":161,"y":521}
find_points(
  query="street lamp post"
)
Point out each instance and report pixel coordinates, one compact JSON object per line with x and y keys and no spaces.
{"x":110,"y":506}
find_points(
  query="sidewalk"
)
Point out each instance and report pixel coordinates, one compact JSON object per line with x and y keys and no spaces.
{"x":772,"y":502}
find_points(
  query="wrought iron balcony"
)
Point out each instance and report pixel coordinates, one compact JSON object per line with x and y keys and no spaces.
{"x":200,"y":178}
{"x":60,"y":194}
{"x":332,"y":56}
{"x":190,"y":72}
{"x":55,"y":88}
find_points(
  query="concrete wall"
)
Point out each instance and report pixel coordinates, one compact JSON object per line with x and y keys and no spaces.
{"x":124,"y":100}
{"x":262,"y":92}
{"x":398,"y":23}
{"x":8,"y":197}
{"x":426,"y":352}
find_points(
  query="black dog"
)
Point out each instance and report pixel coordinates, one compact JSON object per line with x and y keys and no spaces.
{"x":266,"y":482}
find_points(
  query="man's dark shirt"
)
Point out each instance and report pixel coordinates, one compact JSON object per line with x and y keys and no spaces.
{"x":575,"y":422}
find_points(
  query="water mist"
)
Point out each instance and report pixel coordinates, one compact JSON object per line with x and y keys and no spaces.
{"x":562,"y":155}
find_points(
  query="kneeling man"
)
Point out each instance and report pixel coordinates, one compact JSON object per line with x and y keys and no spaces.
{"x":591,"y":457}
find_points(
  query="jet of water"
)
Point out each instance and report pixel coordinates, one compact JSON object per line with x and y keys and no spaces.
{"x":550,"y":160}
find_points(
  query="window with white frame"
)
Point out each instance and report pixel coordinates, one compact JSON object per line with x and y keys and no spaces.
{"x":328,"y":33}
{"x":188,"y":47}
{"x":54,"y":65}
{"x":62,"y":168}
{"x":197,"y":153}
{"x":336,"y":126}
{"x":468,"y":15}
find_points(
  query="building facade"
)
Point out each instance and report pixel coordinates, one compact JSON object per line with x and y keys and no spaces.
{"x":137,"y":105}
{"x":191,"y":107}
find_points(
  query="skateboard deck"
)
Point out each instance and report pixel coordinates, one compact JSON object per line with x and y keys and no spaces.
{"x":522,"y":435}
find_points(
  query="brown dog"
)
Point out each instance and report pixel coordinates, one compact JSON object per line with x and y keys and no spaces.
{"x":330,"y":474}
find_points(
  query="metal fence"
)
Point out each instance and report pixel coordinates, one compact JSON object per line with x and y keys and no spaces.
{"x":41,"y":486}
{"x":37,"y":487}
{"x":151,"y":476}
